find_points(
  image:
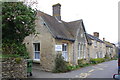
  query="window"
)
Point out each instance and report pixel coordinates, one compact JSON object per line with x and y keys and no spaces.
{"x":64,"y":51}
{"x":36,"y":51}
{"x":82,"y":35}
{"x":79,"y":51}
{"x":101,"y":56}
{"x":83,"y":50}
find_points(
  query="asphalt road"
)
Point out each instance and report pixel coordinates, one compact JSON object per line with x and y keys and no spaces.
{"x":102,"y":70}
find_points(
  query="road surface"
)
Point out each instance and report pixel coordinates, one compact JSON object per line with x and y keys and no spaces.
{"x":102,"y":70}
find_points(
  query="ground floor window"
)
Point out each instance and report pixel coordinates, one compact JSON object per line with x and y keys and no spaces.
{"x":79,"y":50}
{"x":64,"y":51}
{"x":97,"y":53}
{"x":82,"y":50}
{"x":36,"y":51}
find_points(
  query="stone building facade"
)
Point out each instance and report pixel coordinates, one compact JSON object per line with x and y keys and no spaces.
{"x":100,"y":48}
{"x":52,"y":33}
{"x":110,"y":49}
{"x":97,"y":47}
{"x":70,"y":39}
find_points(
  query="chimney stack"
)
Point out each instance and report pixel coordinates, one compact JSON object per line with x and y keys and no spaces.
{"x":96,"y":34}
{"x":57,"y":11}
{"x":103,"y":39}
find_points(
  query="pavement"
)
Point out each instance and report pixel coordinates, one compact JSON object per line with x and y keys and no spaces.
{"x":102,"y":70}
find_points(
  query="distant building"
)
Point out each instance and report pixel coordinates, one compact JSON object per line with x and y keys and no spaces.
{"x":110,"y":49}
{"x":97,"y":46}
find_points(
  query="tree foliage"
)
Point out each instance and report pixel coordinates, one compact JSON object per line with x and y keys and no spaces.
{"x":18,"y":21}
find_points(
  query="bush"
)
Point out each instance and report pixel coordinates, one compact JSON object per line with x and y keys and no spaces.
{"x":115,"y":57}
{"x":82,"y":62}
{"x":15,"y":50}
{"x":97,"y":60}
{"x":69,"y":68}
{"x":77,"y":66}
{"x":107,"y":57}
{"x":60,"y":64}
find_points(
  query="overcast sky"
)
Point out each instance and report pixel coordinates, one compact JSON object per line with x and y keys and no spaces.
{"x":98,"y":15}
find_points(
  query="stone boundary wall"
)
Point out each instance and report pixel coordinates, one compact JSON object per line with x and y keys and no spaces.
{"x":14,"y":68}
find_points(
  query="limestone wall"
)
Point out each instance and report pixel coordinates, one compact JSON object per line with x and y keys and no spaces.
{"x":14,"y":68}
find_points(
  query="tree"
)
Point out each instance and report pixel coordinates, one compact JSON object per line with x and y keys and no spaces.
{"x":18,"y":21}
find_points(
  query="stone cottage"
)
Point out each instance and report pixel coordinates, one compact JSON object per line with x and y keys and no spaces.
{"x":96,"y":48}
{"x":54,"y":36}
{"x":110,"y":49}
{"x":114,"y":51}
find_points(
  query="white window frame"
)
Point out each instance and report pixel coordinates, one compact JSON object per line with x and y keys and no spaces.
{"x":65,"y":52}
{"x":79,"y":51}
{"x":36,"y":51}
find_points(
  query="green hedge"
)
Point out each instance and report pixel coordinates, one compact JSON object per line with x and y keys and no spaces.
{"x":97,"y":60}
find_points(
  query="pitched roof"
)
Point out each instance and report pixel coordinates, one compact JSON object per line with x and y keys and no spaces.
{"x":61,"y":29}
{"x":94,"y":38}
{"x":108,"y":44}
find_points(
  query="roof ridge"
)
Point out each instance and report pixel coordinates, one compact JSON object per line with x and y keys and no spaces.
{"x":75,"y":21}
{"x":94,"y":37}
{"x":45,"y":13}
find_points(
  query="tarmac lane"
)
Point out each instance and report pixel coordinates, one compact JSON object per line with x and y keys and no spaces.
{"x":102,"y":70}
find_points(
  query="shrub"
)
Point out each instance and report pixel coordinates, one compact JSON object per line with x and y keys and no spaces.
{"x":82,"y":62}
{"x":115,"y":57}
{"x":15,"y":50}
{"x":60,"y":64}
{"x":77,"y":66}
{"x":69,"y":68}
{"x":107,"y":57}
{"x":97,"y":60}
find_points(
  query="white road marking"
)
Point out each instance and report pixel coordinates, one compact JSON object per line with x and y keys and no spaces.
{"x":100,"y":68}
{"x":84,"y":75}
{"x":91,"y":70}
